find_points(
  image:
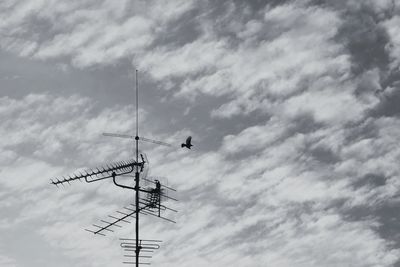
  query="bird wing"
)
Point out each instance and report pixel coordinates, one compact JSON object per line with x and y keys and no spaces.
{"x":189,"y":140}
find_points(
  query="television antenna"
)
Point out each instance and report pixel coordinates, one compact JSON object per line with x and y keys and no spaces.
{"x":148,"y":200}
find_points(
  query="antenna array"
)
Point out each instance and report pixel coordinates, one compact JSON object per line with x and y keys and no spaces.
{"x":149,"y":201}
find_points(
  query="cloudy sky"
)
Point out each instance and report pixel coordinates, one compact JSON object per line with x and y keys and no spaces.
{"x":293,"y":107}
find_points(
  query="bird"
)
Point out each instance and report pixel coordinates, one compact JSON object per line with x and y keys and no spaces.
{"x":188,"y":143}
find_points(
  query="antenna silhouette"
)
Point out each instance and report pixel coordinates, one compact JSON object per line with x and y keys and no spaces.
{"x":149,"y":200}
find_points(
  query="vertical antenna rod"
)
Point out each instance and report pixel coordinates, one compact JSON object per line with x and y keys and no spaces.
{"x":137,"y":107}
{"x":137,"y":171}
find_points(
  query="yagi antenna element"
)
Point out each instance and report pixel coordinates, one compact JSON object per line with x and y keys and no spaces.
{"x":140,"y":138}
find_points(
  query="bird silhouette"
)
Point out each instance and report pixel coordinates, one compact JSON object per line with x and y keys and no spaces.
{"x":188,"y":143}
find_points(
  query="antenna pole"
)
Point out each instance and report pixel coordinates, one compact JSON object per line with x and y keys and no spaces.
{"x":137,"y":172}
{"x":137,"y":107}
{"x":148,"y":203}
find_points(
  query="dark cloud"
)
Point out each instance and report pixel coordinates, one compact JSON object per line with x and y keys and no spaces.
{"x":180,"y":32}
{"x":365,"y":39}
{"x":384,"y":214}
{"x":370,"y":180}
{"x":389,"y":102}
{"x":324,"y":155}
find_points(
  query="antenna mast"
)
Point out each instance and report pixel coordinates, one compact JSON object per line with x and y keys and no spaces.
{"x":137,"y":250}
{"x":151,"y":202}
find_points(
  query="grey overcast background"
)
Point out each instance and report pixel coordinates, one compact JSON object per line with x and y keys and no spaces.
{"x":293,"y":107}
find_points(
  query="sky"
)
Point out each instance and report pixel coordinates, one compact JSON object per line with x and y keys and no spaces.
{"x":293,"y":107}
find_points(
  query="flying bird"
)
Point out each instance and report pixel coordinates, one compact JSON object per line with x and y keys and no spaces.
{"x":188,"y":143}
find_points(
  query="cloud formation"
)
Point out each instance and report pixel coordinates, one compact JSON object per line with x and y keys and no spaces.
{"x":300,"y":105}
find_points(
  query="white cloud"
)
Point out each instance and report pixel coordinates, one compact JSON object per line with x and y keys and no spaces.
{"x":261,"y":72}
{"x":47,"y":125}
{"x":256,"y":138}
{"x":7,"y":261}
{"x":90,"y":32}
{"x":327,"y":105}
{"x":393,"y":29}
{"x":280,"y":204}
